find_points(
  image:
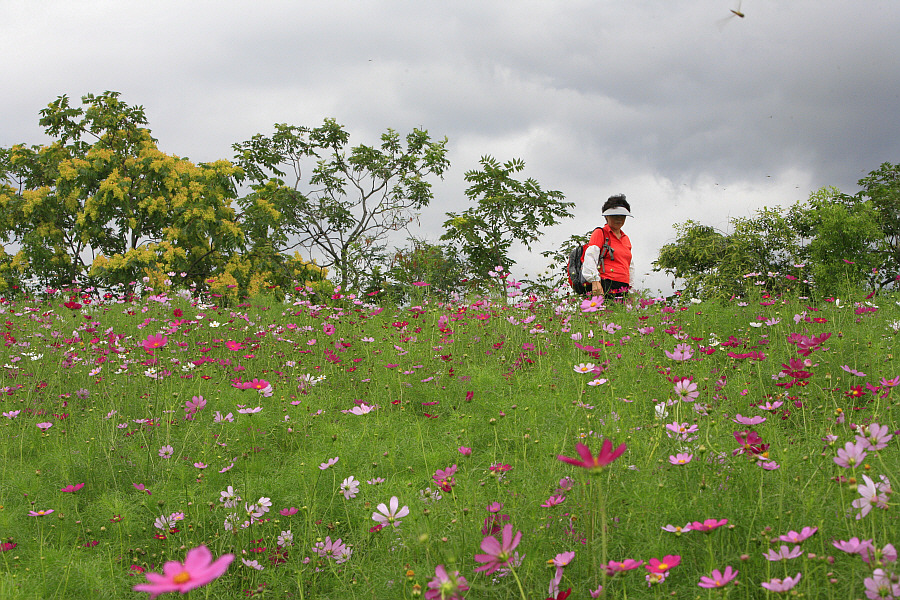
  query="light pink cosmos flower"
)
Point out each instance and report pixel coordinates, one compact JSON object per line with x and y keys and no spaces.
{"x":718,"y":578}
{"x":876,"y":437}
{"x":349,"y":487}
{"x":197,"y":570}
{"x":329,"y":463}
{"x":888,"y":554}
{"x":881,"y":585}
{"x":682,"y":458}
{"x":584,"y":368}
{"x":851,"y":455}
{"x":446,"y":586}
{"x":559,"y":561}
{"x":390,"y":516}
{"x":795,"y":538}
{"x":676,"y":529}
{"x":783,"y":553}
{"x":686,"y":390}
{"x":40,"y":513}
{"x":782,"y":585}
{"x":748,"y":420}
{"x":853,"y":545}
{"x":871,"y":495}
{"x":613,"y":567}
{"x":44,"y":426}
{"x":498,"y":554}
{"x":681,"y":352}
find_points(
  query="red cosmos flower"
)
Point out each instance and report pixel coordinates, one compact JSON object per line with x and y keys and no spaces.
{"x":855,"y":391}
{"x":594,"y":463}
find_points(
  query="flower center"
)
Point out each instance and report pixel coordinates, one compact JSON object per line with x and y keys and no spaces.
{"x":182,"y":577}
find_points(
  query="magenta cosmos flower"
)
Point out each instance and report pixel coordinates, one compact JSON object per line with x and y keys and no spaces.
{"x":718,"y":578}
{"x":498,"y":554}
{"x":662,"y":566}
{"x":197,"y":570}
{"x":594,"y":463}
{"x":154,"y":341}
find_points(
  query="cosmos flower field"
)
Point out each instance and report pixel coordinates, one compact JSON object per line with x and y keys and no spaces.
{"x":488,"y":448}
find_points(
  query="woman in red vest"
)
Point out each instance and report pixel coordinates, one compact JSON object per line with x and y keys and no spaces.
{"x":607,"y":259}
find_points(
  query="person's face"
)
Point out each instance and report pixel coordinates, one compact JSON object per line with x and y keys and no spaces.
{"x":616,"y":222}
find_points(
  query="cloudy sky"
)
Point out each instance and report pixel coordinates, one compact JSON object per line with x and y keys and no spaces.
{"x":690,"y":113}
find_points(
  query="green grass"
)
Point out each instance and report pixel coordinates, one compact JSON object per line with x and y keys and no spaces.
{"x":527,"y":407}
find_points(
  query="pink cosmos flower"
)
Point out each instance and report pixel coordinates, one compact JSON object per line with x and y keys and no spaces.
{"x":851,"y":455}
{"x":718,"y":578}
{"x":782,"y":585}
{"x":881,"y":585}
{"x":795,"y":538}
{"x":44,"y":426}
{"x":197,"y":570}
{"x":287,"y":512}
{"x":853,"y":545}
{"x":876,"y":437}
{"x":680,"y":353}
{"x":140,"y":487}
{"x":662,"y":566}
{"x":329,"y":463}
{"x":748,"y":420}
{"x":444,"y":478}
{"x":676,"y":529}
{"x":446,"y":586}
{"x":708,"y":524}
{"x":594,"y":463}
{"x":194,"y":404}
{"x":871,"y":495}
{"x":498,"y":554}
{"x":783,"y":553}
{"x":686,"y":390}
{"x":592,"y":304}
{"x":72,"y":488}
{"x":390,"y":516}
{"x":682,"y":458}
{"x":40,"y":513}
{"x":553,"y":501}
{"x":465,"y":451}
{"x":349,"y":487}
{"x":613,"y":567}
{"x":154,"y":341}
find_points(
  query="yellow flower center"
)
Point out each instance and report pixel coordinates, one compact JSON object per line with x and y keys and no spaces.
{"x":663,"y":566}
{"x":182,"y":577}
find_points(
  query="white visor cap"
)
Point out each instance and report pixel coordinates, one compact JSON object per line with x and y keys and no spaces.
{"x":617,"y":211}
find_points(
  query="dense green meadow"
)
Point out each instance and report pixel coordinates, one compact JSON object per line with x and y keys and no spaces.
{"x":137,"y":428}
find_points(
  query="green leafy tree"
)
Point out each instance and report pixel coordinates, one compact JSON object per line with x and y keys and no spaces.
{"x":103,"y":204}
{"x":310,"y":191}
{"x":693,"y":257}
{"x":882,"y":190}
{"x":436,"y":265}
{"x":843,"y":237}
{"x":506,"y":210}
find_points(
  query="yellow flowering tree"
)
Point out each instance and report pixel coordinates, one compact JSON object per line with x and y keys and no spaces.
{"x":103,"y":205}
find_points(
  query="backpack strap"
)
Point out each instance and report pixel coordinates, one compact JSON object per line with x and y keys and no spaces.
{"x":605,"y":250}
